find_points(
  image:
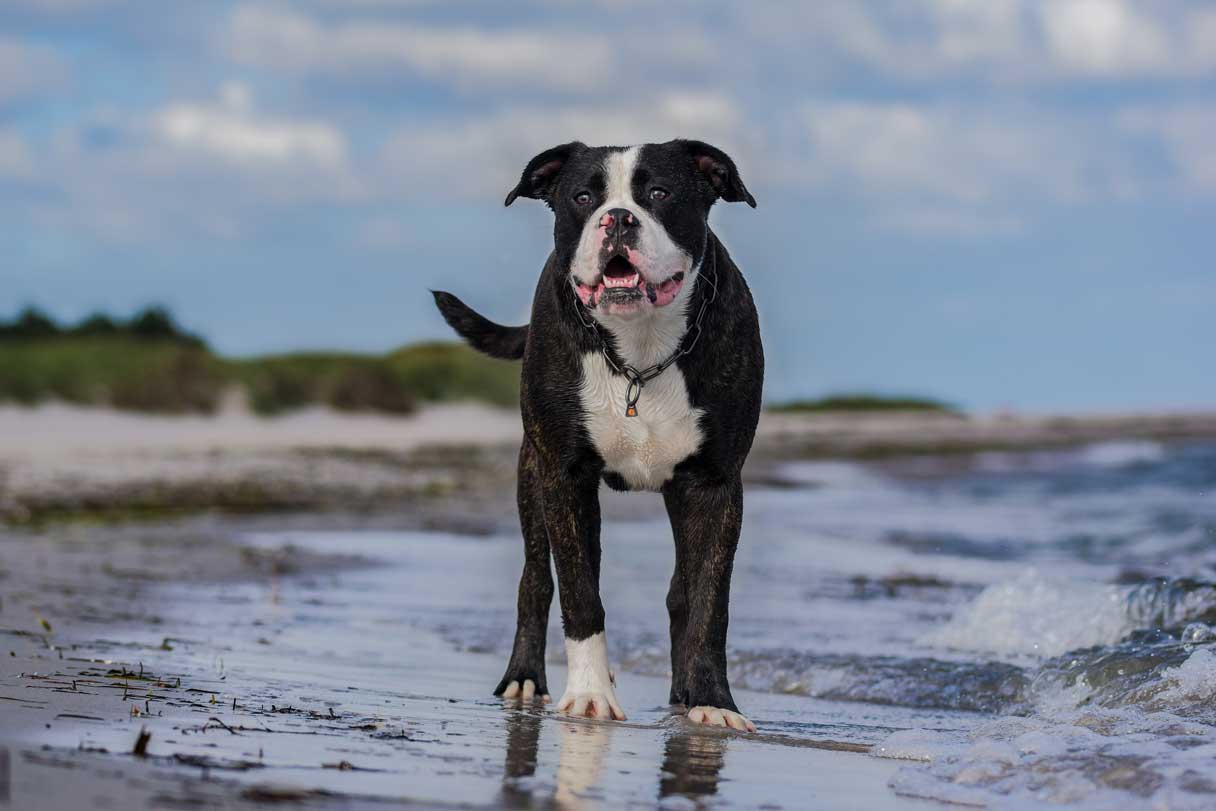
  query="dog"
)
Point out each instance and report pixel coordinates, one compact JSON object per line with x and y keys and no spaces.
{"x":642,"y":368}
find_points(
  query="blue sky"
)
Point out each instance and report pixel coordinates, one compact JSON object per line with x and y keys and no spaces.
{"x":1005,"y":203}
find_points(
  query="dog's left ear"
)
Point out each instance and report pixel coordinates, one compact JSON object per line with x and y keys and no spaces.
{"x":541,"y":174}
{"x":720,"y":171}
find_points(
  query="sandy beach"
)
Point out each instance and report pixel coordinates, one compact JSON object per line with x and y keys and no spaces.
{"x":311,"y":611}
{"x":63,"y":460}
{"x":197,"y":636}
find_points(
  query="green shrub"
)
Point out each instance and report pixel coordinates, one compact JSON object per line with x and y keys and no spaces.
{"x":148,"y":363}
{"x":865,"y":402}
{"x":344,"y":381}
{"x":451,"y":371}
{"x":120,"y":371}
{"x":149,"y":324}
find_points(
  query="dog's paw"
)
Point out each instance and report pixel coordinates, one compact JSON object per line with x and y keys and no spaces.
{"x":523,"y":692}
{"x":712,"y":716}
{"x":601,"y":705}
{"x":590,"y":686}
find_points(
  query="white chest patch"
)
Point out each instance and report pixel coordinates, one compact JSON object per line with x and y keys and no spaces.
{"x":644,"y":449}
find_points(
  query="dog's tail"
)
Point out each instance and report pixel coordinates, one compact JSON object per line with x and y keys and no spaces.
{"x":482,"y":334}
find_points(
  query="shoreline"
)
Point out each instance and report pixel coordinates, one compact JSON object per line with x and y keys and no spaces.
{"x":194,"y":638}
{"x":67,"y":462}
{"x":316,"y":658}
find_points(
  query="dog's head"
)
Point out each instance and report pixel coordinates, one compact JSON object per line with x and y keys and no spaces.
{"x":631,"y":224}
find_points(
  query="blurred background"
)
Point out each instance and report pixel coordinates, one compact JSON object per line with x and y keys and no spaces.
{"x":1000,"y":204}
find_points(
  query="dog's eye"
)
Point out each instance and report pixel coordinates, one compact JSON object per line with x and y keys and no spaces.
{"x":583,"y":198}
{"x":658,"y":193}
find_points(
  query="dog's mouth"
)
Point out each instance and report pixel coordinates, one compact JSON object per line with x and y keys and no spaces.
{"x":621,"y":285}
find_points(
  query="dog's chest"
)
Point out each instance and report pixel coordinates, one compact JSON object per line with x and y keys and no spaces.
{"x":645,"y":449}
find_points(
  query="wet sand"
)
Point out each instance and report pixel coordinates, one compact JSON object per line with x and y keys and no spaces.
{"x":322,"y":622}
{"x":61,"y":461}
{"x":247,"y":660}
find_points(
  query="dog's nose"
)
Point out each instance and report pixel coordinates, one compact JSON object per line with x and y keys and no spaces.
{"x":618,"y":221}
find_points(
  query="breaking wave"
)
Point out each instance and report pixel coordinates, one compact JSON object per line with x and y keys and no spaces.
{"x":1043,"y":616}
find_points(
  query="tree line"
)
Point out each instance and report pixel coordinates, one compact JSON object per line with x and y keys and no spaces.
{"x":154,"y":323}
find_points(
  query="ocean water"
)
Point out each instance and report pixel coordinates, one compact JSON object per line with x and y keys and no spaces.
{"x":1064,"y":601}
{"x":1020,"y":628}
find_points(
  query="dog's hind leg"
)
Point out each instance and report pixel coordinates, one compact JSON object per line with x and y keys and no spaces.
{"x":525,"y":676}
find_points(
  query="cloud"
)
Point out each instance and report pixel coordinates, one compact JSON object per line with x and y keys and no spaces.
{"x":233,"y":131}
{"x":942,"y":169}
{"x":914,"y":111}
{"x":27,"y":70}
{"x":1036,"y":41}
{"x":959,"y":155}
{"x":469,"y":56}
{"x":1186,"y":133}
{"x":481,"y":156}
{"x":220,"y":168}
{"x":478,"y":58}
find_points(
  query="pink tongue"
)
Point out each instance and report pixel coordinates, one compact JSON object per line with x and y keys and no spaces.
{"x":589,"y":295}
{"x":666,"y":292}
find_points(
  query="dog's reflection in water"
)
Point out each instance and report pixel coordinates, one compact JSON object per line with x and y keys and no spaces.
{"x":523,"y":742}
{"x":692,"y":762}
{"x":584,"y":748}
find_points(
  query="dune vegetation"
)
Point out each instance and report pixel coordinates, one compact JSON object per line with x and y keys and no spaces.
{"x":861,"y":402}
{"x":148,"y":363}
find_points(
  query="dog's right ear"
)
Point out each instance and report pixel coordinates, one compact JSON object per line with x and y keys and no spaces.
{"x":541,"y":174}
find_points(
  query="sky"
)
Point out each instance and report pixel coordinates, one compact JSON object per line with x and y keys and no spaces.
{"x":1008,"y":204}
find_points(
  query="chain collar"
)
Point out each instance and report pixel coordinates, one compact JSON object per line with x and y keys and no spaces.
{"x":638,"y":378}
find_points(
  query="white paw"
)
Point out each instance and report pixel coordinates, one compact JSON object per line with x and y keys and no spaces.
{"x":712,"y":716}
{"x":527,"y":692}
{"x":590,"y":690}
{"x":603,"y":706}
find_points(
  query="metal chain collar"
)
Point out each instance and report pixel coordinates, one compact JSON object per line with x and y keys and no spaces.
{"x":639,"y":378}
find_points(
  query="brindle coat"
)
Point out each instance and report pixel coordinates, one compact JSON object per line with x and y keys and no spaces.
{"x":559,"y":468}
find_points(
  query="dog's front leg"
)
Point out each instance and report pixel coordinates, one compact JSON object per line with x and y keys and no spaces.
{"x":572,"y":519}
{"x":706,"y":517}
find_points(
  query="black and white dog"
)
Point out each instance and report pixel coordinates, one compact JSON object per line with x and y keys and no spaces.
{"x":642,"y":366}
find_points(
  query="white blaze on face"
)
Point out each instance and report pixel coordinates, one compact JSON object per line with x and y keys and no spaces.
{"x":644,"y":449}
{"x":657,"y":257}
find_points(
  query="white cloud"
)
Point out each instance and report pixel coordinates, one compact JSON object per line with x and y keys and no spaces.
{"x":957,"y":155}
{"x":941,"y":169}
{"x":1005,"y":40}
{"x":220,"y":168}
{"x":1104,"y":37}
{"x":469,"y":56}
{"x":483,"y":156}
{"x":27,"y":70}
{"x":233,"y":130}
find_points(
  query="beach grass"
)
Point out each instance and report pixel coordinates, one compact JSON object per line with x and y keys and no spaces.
{"x":162,"y":376}
{"x":118,"y":371}
{"x":862,"y":402}
{"x":148,"y":363}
